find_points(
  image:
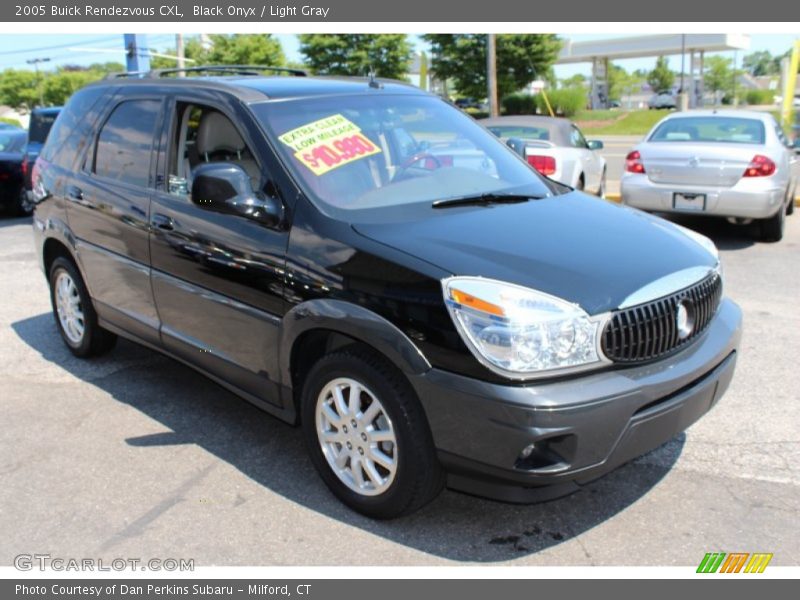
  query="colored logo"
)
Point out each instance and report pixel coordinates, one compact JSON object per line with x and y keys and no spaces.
{"x":734,"y":562}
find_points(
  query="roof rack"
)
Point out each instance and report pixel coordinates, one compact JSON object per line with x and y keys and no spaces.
{"x":229,"y":69}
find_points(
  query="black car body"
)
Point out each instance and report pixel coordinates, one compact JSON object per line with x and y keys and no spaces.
{"x":12,"y":178}
{"x":518,"y":340}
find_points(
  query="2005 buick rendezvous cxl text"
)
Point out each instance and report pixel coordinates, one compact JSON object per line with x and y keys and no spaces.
{"x":361,"y":258}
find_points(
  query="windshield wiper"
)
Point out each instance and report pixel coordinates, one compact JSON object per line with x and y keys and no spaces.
{"x":486,"y":199}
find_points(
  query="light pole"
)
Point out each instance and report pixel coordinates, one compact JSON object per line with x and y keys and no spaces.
{"x":35,"y":62}
{"x":491,"y":74}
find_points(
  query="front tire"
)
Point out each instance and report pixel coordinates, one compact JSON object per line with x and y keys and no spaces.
{"x":74,"y":314}
{"x":368,"y":436}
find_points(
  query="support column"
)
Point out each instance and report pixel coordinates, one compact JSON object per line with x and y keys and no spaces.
{"x":137,"y":57}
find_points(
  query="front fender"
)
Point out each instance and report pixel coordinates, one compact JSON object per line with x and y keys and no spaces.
{"x":353,"y":321}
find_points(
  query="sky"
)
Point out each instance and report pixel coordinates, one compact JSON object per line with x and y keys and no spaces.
{"x":63,"y":49}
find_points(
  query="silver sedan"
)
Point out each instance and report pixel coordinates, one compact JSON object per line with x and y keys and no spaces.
{"x":733,"y":163}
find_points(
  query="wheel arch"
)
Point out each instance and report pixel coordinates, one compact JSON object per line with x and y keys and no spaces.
{"x":314,"y":328}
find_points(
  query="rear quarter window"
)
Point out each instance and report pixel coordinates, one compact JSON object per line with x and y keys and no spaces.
{"x":67,"y":138}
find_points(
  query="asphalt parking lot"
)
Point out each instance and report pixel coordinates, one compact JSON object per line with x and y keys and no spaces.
{"x":135,"y":455}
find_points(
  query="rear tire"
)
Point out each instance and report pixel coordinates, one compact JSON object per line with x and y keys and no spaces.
{"x":74,"y":313}
{"x":350,"y":438}
{"x":23,"y":207}
{"x":601,"y":192}
{"x":772,"y":228}
{"x":581,"y":183}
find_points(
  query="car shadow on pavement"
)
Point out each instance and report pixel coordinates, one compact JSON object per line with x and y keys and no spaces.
{"x":455,"y":526}
{"x":725,"y":235}
{"x":7,"y":220}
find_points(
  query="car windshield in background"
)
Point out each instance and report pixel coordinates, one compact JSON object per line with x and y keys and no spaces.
{"x":525,"y":133}
{"x":40,"y":126}
{"x":357,"y":152}
{"x":727,"y":130}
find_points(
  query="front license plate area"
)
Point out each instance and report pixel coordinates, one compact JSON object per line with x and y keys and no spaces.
{"x":689,"y":202}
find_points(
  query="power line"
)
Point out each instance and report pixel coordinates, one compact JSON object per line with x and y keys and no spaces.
{"x":57,"y":47}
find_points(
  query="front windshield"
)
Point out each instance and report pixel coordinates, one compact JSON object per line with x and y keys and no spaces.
{"x":375,"y":150}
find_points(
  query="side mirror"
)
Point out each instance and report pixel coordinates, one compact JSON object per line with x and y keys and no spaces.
{"x":594,"y":144}
{"x":517,"y":145}
{"x":226,"y":188}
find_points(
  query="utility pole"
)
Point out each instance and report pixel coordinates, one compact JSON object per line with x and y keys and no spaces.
{"x":35,"y":62}
{"x":180,"y":52}
{"x":491,"y":73}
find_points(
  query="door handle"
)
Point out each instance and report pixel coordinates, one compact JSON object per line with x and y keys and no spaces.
{"x":163,"y":222}
{"x":74,"y":193}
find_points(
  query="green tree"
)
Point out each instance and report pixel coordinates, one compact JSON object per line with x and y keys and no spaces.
{"x":628,"y":84}
{"x":387,"y":54}
{"x":661,"y":78}
{"x":59,"y":86}
{"x":577,"y":80}
{"x":245,"y":50}
{"x":235,"y":49}
{"x":521,"y":58}
{"x":761,"y":63}
{"x":718,"y":76}
{"x":18,"y":89}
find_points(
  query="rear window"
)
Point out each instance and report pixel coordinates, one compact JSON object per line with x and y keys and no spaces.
{"x":11,"y":142}
{"x":726,"y":130}
{"x":526,"y":133}
{"x":40,"y":126}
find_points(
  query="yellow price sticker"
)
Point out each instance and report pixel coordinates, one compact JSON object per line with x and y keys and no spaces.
{"x":328,"y":143}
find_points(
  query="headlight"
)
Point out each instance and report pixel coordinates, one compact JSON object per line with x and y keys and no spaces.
{"x":700,"y":239}
{"x":521,"y":333}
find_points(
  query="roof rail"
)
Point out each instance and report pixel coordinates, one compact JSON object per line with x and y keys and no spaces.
{"x":124,"y":74}
{"x":233,"y":69}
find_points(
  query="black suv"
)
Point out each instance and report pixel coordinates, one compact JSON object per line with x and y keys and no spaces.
{"x":362,"y":258}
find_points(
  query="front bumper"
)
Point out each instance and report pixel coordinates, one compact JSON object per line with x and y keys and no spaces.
{"x":750,"y":198}
{"x":580,"y":428}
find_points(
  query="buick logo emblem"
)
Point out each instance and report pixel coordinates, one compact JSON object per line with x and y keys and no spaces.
{"x":694,"y":162}
{"x":684,"y":319}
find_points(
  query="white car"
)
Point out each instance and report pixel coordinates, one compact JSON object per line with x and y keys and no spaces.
{"x":556,"y":148}
{"x":726,"y":163}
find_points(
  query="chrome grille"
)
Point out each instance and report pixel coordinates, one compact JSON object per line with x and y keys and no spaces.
{"x":651,"y":330}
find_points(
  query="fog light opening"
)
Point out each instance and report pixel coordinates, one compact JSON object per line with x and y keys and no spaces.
{"x":553,"y":453}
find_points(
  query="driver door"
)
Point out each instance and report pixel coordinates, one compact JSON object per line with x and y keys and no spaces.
{"x":217,"y":278}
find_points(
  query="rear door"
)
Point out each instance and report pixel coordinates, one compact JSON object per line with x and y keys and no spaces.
{"x":108,"y":209}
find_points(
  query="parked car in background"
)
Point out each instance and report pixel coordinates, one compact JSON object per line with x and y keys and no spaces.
{"x":662,"y":100}
{"x":556,"y":148}
{"x":41,"y":122}
{"x":735,"y":164}
{"x":12,"y":183}
{"x":464,"y":103}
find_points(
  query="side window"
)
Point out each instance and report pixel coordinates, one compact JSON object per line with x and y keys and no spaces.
{"x":125,"y":142}
{"x":576,"y":138}
{"x":203,"y":134}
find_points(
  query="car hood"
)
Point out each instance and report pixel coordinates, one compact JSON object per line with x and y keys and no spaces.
{"x":573,"y":246}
